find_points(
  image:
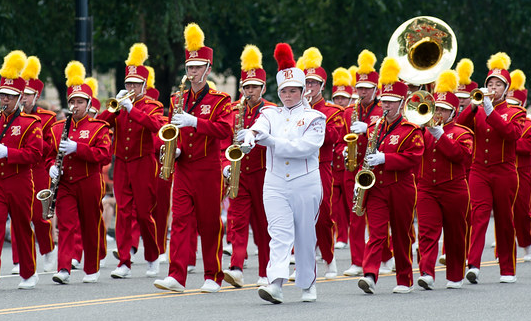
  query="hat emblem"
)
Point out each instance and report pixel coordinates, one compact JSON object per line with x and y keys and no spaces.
{"x":442,"y":96}
{"x":388,"y":87}
{"x":132,"y":69}
{"x":9,"y":82}
{"x":364,"y":77}
{"x":288,"y":74}
{"x":496,"y":71}
{"x":311,"y":70}
{"x":461,"y":87}
{"x":193,"y":54}
{"x":510,"y":93}
{"x":251,"y":73}
{"x":76,"y":88}
{"x":340,"y":87}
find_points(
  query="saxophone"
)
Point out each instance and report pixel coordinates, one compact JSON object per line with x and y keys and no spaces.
{"x":48,"y":197}
{"x":234,"y":152}
{"x":168,"y":134}
{"x":365,"y":178}
{"x":351,"y":161}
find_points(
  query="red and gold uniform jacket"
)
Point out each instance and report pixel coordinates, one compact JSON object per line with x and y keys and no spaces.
{"x":256,"y":159}
{"x":446,"y":159}
{"x":23,"y":140}
{"x":213,"y":114}
{"x":48,"y":118}
{"x":338,"y":163}
{"x":334,"y":125}
{"x":133,"y":132}
{"x":523,"y":146}
{"x":93,"y":148}
{"x":367,"y":114}
{"x":495,"y":135}
{"x":403,"y":145}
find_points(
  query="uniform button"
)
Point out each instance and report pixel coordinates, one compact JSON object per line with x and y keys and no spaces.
{"x":74,"y":130}
{"x":2,"y":173}
{"x":434,"y":181}
{"x":287,"y":163}
{"x":488,"y":130}
{"x":191,"y":134}
{"x":380,"y":172}
{"x":381,"y":182}
{"x":287,"y":119}
{"x":189,"y":155}
{"x":5,"y":125}
{"x":130,"y":121}
{"x":193,"y":102}
{"x":71,"y":137}
{"x":287,"y":175}
{"x":434,"y":170}
{"x":2,"y":164}
{"x":129,"y":129}
{"x":486,"y":161}
{"x":248,"y":117}
{"x":246,"y":157}
{"x":487,"y":140}
{"x":337,"y":166}
{"x":247,"y":168}
{"x":128,"y":139}
{"x":126,"y":157}
{"x":434,"y":150}
{"x":486,"y":151}
{"x":70,"y":177}
{"x":69,"y":157}
{"x":126,"y":148}
{"x":193,"y":113}
{"x":190,"y":145}
{"x":434,"y":160}
{"x":70,"y":167}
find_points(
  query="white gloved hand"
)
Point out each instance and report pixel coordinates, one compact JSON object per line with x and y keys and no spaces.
{"x":3,"y":151}
{"x":487,"y":105}
{"x":358,"y":127}
{"x":184,"y":120}
{"x":240,"y":135}
{"x":54,"y":172}
{"x":127,"y":104}
{"x":376,"y":159}
{"x":356,"y":189}
{"x":226,"y":171}
{"x":436,"y":131}
{"x":68,"y":146}
{"x":265,"y":139}
{"x":248,"y":140}
{"x":345,"y":152}
{"x":177,"y":152}
{"x":122,"y":93}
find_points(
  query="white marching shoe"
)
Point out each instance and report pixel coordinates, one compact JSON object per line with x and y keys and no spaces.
{"x":76,"y":265}
{"x":340,"y":245}
{"x":121,"y":272}
{"x":262,"y":281}
{"x":163,"y":258}
{"x":170,"y":284}
{"x":153,"y":268}
{"x":210,"y":286}
{"x":508,"y":279}
{"x":402,"y":289}
{"x":271,"y":293}
{"x":234,"y":278}
{"x":454,"y":285}
{"x":16,"y":269}
{"x":527,"y":253}
{"x":61,"y":277}
{"x":227,"y":249}
{"x":49,"y":260}
{"x":331,"y":270}
{"x":91,"y":278}
{"x":387,"y":267}
{"x":473,"y":275}
{"x":442,"y":259}
{"x":426,"y":281}
{"x":190,"y":268}
{"x":353,"y":270}
{"x":367,"y":284}
{"x":29,"y":283}
{"x":292,"y":276}
{"x":309,"y":294}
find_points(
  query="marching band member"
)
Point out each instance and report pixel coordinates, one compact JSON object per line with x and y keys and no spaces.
{"x":493,"y":176}
{"x":43,"y":228}
{"x":135,"y":168}
{"x":293,"y":135}
{"x":443,"y":196}
{"x":464,"y":68}
{"x":341,"y":96}
{"x":20,"y":148}
{"x":248,"y":206}
{"x":81,"y":188}
{"x":198,"y":179}
{"x":517,"y":96}
{"x":391,"y":201}
{"x":315,"y":82}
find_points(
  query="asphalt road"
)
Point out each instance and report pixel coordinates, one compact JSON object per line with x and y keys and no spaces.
{"x":340,"y":299}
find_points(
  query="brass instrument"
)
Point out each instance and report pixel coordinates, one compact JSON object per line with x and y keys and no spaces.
{"x":48,"y":197}
{"x":420,"y":109}
{"x":168,"y":134}
{"x":351,"y":162}
{"x":477,"y":95}
{"x":365,"y":178}
{"x":234,"y":153}
{"x":424,"y":47}
{"x":113,"y":104}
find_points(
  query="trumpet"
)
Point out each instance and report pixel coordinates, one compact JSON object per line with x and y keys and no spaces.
{"x":477,"y":95}
{"x":113,"y":104}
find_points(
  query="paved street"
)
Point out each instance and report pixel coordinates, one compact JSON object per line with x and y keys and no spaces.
{"x":341,"y":299}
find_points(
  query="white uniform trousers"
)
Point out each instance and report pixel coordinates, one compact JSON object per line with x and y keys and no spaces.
{"x":292,"y":209}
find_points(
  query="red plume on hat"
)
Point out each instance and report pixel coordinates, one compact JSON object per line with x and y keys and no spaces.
{"x":284,"y":56}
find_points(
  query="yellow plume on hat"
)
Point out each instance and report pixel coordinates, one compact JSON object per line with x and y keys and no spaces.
{"x":517,"y":80}
{"x":212,"y":85}
{"x":499,"y":60}
{"x":341,"y":77}
{"x":194,"y":38}
{"x":75,"y":73}
{"x":312,"y":58}
{"x":353,"y":70}
{"x":251,"y":58}
{"x":366,"y":62}
{"x":138,"y":53}
{"x":301,"y":63}
{"x":93,"y":84}
{"x":150,"y":83}
{"x":464,"y":69}
{"x":446,"y":82}
{"x":389,"y":71}
{"x":32,"y":69}
{"x":14,"y":62}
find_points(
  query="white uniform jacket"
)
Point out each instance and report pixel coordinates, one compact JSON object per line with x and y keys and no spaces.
{"x":293,"y":137}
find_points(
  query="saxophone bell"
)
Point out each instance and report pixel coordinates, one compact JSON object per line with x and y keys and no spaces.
{"x":234,"y":154}
{"x":45,"y":196}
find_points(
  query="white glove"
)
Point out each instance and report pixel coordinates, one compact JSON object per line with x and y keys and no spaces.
{"x":345,"y":152}
{"x":358,"y":127}
{"x":226,"y":171}
{"x":127,"y":104}
{"x":376,"y":159}
{"x":240,"y":136}
{"x":356,"y":188}
{"x":248,"y":140}
{"x":184,"y":120}
{"x":265,"y":139}
{"x":487,"y":105}
{"x":54,"y":172}
{"x":121,"y":94}
{"x":3,"y":151}
{"x":436,"y":131}
{"x":177,"y":152}
{"x":68,"y":146}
